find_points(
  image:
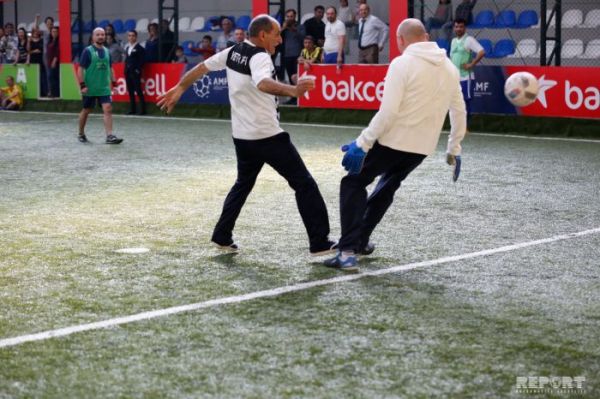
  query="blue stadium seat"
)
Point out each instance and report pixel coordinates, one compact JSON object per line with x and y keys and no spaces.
{"x":89,"y":26}
{"x":243,"y":22}
{"x":75,"y":26}
{"x":527,"y":18}
{"x":503,"y":48}
{"x":104,"y":23}
{"x":119,"y":26}
{"x":186,"y":48}
{"x":129,"y":25}
{"x":484,"y":19}
{"x":487,"y":46}
{"x":506,"y":19}
{"x":443,"y":44}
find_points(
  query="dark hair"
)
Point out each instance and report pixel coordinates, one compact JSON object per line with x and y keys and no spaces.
{"x":133,"y":31}
{"x":320,"y":8}
{"x":309,"y":37}
{"x":333,"y":8}
{"x":260,"y":24}
{"x":6,"y":25}
{"x":49,"y":18}
{"x":291,"y":10}
{"x":209,"y":37}
{"x":113,"y":31}
{"x":460,"y":21}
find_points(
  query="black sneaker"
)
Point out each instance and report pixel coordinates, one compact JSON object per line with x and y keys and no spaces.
{"x":112,"y":139}
{"x":367,"y":249}
{"x":328,"y":247}
{"x":231,"y":248}
{"x":82,"y":138}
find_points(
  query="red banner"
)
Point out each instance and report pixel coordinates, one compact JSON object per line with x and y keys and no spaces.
{"x":564,"y":91}
{"x":157,"y":79}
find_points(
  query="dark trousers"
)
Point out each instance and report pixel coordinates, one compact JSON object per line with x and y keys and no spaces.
{"x":54,"y":83}
{"x":369,"y":55}
{"x":279,"y":153}
{"x":133,"y":80}
{"x":290,"y":64}
{"x":360,"y":215}
{"x":43,"y":80}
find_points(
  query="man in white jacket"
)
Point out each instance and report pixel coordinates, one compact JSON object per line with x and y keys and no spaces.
{"x":421,"y":86}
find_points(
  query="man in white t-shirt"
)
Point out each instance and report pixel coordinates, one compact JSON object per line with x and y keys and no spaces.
{"x":257,"y":136}
{"x":335,"y":38}
{"x":461,"y":53}
{"x":421,"y":86}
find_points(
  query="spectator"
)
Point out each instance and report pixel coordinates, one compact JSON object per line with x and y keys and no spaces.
{"x":53,"y":61}
{"x":206,"y":49}
{"x":22,"y":45}
{"x":357,"y":8}
{"x":134,"y":64}
{"x":346,"y":15}
{"x":226,"y":38}
{"x":179,"y":57}
{"x":3,"y":43}
{"x":11,"y":97}
{"x":315,"y":26}
{"x":372,"y":35}
{"x":36,"y":56}
{"x":291,"y":45}
{"x":442,"y":14}
{"x":461,"y":50}
{"x":151,"y":45}
{"x":44,"y":70}
{"x":12,"y":43}
{"x":168,"y":42}
{"x":115,"y":47}
{"x":311,"y":53}
{"x":239,"y":35}
{"x":464,"y":11}
{"x":335,"y":38}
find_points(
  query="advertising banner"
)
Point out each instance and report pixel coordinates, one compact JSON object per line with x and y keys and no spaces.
{"x":27,"y":76}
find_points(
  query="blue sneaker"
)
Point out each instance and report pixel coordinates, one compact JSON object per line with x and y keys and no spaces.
{"x":348,"y":264}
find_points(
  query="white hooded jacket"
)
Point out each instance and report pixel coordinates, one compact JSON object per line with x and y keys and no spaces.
{"x":421,"y":86}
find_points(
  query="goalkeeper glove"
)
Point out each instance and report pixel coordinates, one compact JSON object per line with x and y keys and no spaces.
{"x":457,"y":162}
{"x":354,"y":158}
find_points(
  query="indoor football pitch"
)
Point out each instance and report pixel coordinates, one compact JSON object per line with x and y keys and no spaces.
{"x":474,"y":287}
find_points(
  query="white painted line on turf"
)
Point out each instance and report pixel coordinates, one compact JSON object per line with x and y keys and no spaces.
{"x":61,"y":332}
{"x":12,"y":123}
{"x":133,"y":251}
{"x":320,"y":125}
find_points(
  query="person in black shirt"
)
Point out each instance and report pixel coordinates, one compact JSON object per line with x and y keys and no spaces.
{"x":315,"y":26}
{"x":134,"y":62}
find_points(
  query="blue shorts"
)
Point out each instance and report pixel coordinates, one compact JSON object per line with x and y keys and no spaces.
{"x":468,"y":89}
{"x":331,"y":58}
{"x":90,"y":102}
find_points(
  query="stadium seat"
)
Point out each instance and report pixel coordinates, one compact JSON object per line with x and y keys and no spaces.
{"x":506,"y":19}
{"x":592,"y":50}
{"x":484,"y":19}
{"x":592,"y":19}
{"x":89,"y":26}
{"x":550,"y":44}
{"x":572,"y":48}
{"x":525,"y":48}
{"x":243,"y":22}
{"x":503,"y":48}
{"x":487,"y":45}
{"x":572,"y":18}
{"x":75,"y":26}
{"x":305,"y":17}
{"x":197,"y":24}
{"x":104,"y":23}
{"x":119,"y":26}
{"x":184,"y":24}
{"x":129,"y":25}
{"x":142,"y":25}
{"x":527,"y":19}
{"x":186,"y":48}
{"x":443,"y":44}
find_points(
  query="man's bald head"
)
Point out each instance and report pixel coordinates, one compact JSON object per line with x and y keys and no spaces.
{"x":410,"y":31}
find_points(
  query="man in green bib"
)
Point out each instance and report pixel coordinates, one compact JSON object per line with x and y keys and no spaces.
{"x":461,"y":53}
{"x":96,"y":79}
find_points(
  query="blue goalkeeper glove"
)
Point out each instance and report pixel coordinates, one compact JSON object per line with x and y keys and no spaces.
{"x":457,"y":162}
{"x":354,"y":158}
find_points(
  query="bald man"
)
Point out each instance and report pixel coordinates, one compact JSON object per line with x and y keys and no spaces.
{"x":421,"y":86}
{"x":96,"y":77}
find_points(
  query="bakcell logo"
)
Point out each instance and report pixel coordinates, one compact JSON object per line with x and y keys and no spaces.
{"x":576,"y":97}
{"x":545,"y":85}
{"x":351,"y":90}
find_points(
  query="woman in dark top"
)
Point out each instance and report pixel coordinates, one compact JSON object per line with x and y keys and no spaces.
{"x":152,"y":43}
{"x":52,"y":59}
{"x":22,"y":53}
{"x":36,"y":56}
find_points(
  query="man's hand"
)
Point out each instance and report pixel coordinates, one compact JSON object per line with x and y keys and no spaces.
{"x":467,"y":67}
{"x":305,"y":83}
{"x":84,"y":90}
{"x":456,"y":161}
{"x":354,"y":158}
{"x":167,"y":101}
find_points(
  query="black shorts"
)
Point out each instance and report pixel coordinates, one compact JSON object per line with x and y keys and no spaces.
{"x":90,"y":102}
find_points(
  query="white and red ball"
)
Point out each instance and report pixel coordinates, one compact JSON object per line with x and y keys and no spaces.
{"x":521,"y":89}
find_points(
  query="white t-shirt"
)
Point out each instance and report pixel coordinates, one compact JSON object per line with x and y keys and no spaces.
{"x":333,"y":30}
{"x":253,"y":113}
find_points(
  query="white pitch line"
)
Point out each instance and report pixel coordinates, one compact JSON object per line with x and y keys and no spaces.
{"x":320,"y":125}
{"x":61,"y":332}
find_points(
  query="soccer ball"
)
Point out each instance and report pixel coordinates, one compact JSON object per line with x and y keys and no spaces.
{"x":521,"y":89}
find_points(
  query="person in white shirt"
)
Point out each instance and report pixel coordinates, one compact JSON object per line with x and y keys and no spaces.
{"x":227,"y":37}
{"x":335,"y":38}
{"x":372,"y":35}
{"x":421,"y":86}
{"x":257,"y":136}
